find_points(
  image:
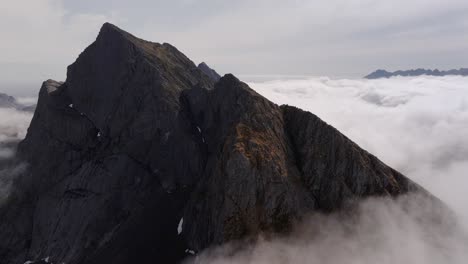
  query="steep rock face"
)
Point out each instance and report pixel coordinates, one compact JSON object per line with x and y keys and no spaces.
{"x":250,"y":183}
{"x":348,"y":173}
{"x":138,"y":140}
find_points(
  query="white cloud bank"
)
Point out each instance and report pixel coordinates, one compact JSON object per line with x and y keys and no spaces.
{"x":14,"y":124}
{"x":13,"y":128}
{"x":418,"y":126}
{"x":382,"y":231}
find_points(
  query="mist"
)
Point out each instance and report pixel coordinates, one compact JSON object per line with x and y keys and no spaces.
{"x":380,"y":231}
{"x":13,"y":128}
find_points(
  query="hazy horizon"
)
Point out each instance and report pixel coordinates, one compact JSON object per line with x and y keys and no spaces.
{"x":336,"y":38}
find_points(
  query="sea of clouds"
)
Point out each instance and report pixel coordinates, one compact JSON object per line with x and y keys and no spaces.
{"x":418,"y":126}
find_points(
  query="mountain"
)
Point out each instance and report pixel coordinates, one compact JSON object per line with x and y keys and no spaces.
{"x":418,"y":72}
{"x":7,"y":101}
{"x":209,"y":72}
{"x":142,"y":157}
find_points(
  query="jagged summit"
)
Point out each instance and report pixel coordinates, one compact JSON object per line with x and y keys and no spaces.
{"x":140,"y":157}
{"x":208,"y":71}
{"x":111,"y":29}
{"x":135,"y":66}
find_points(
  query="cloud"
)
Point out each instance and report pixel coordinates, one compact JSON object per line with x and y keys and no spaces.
{"x":380,"y":231}
{"x":7,"y":176}
{"x":14,"y":124}
{"x":343,"y":37}
{"x":13,"y":127}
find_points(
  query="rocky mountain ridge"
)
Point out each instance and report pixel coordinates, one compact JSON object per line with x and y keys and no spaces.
{"x":209,"y":72}
{"x":417,"y":72}
{"x":7,"y":101}
{"x":140,"y":156}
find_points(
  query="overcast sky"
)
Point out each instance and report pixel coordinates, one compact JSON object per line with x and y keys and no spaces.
{"x":337,"y":38}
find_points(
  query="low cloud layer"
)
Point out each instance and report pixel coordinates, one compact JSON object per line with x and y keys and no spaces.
{"x":14,"y":124}
{"x":381,"y":231}
{"x":13,"y":128}
{"x":416,"y":125}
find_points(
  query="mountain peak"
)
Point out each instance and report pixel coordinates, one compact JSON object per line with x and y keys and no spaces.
{"x":108,"y":29}
{"x":110,"y":35}
{"x":208,"y":71}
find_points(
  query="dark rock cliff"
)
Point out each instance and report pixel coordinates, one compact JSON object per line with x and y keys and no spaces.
{"x":139,"y":157}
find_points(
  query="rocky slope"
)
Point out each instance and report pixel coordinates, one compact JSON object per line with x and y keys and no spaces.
{"x":418,"y":72}
{"x":141,"y":157}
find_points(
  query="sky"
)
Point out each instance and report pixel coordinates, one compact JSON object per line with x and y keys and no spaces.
{"x":336,"y":38}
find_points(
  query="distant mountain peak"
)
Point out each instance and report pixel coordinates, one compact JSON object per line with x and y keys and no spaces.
{"x":416,"y":72}
{"x":7,"y":101}
{"x":140,"y":156}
